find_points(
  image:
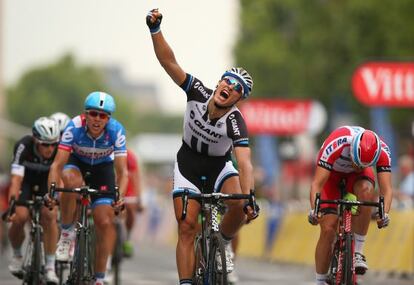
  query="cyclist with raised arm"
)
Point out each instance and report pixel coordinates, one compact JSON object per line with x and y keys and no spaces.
{"x":32,"y":158}
{"x":93,"y":142}
{"x":349,"y":153}
{"x":61,"y":119}
{"x":213,"y":127}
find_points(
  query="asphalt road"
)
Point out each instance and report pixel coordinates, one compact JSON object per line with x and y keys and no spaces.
{"x":155,"y":265}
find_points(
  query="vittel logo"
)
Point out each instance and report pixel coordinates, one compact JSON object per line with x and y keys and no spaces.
{"x":201,"y":89}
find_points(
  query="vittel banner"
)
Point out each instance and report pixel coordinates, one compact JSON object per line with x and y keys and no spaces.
{"x":283,"y":117}
{"x":385,"y":84}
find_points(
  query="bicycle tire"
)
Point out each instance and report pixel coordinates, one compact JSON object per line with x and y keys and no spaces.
{"x":348,"y":260}
{"x":36,"y":263}
{"x":216,"y":275}
{"x":200,"y":261}
{"x":80,"y":261}
{"x":117,"y":255}
{"x":333,"y":268}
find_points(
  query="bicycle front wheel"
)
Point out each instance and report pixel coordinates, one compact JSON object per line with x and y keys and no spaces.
{"x":36,"y":262}
{"x":333,"y":268}
{"x":348,"y":261}
{"x":200,"y":262}
{"x":217,"y":269}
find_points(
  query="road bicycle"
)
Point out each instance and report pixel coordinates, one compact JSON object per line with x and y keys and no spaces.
{"x":81,"y":269}
{"x":342,"y":269}
{"x":209,"y":243}
{"x":118,"y":253}
{"x":33,"y":267}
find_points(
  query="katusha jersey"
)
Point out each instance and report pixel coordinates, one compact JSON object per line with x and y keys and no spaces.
{"x":92,"y":151}
{"x":211,"y":137}
{"x":335,"y":152}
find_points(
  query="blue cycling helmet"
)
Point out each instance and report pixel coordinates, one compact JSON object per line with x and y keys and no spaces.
{"x":100,"y":101}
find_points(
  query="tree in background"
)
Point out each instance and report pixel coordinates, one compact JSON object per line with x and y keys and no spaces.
{"x":310,"y":49}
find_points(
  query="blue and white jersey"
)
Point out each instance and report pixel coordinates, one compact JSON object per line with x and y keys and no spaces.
{"x":112,"y":142}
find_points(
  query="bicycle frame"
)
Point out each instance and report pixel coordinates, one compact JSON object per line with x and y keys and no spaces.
{"x":210,"y":237}
{"x":343,"y":255}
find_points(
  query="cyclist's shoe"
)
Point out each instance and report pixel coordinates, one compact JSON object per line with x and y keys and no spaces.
{"x":229,"y":259}
{"x":15,"y":266}
{"x":360,"y":264}
{"x":128,"y":248}
{"x":65,"y":248}
{"x":232,"y":277}
{"x":51,"y":277}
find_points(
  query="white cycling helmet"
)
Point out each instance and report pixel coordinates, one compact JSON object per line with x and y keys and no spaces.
{"x":46,"y":130}
{"x":243,"y":77}
{"x":61,"y":119}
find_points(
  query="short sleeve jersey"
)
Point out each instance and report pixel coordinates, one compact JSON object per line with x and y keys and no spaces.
{"x":28,"y":163}
{"x":214,"y":137}
{"x":335,"y":151}
{"x":112,"y":142}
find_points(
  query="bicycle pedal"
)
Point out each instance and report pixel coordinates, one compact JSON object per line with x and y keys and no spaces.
{"x":19,"y":274}
{"x":360,"y":271}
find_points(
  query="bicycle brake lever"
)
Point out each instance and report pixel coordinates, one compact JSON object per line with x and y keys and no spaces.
{"x":184,"y":199}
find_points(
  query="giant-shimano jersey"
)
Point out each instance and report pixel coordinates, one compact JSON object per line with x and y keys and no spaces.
{"x":28,"y":163}
{"x":335,"y":151}
{"x":92,"y":151}
{"x":212,"y":137}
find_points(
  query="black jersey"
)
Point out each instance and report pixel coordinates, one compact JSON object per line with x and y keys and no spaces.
{"x":27,"y":162}
{"x":214,"y":137}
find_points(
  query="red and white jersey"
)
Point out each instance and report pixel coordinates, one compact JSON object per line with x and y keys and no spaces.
{"x":335,"y":151}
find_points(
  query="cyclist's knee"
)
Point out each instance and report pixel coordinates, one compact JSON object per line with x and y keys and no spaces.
{"x":72,"y":178}
{"x":328,"y":232}
{"x":364,"y":189}
{"x":187,"y":228}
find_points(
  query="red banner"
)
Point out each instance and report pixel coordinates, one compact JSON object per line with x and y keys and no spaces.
{"x":283,"y":117}
{"x":384,"y":84}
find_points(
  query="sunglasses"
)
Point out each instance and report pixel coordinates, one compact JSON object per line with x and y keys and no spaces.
{"x":236,"y":84}
{"x":95,"y":114}
{"x":45,"y":144}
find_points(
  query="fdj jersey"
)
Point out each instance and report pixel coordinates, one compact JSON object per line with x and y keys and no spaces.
{"x":94,"y":151}
{"x":213,"y":137}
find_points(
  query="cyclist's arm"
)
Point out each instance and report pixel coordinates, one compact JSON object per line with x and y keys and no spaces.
{"x":15,"y":185}
{"x":319,"y":180}
{"x":245,"y":166}
{"x":135,"y":181}
{"x":385,"y":186}
{"x":55,"y":172}
{"x":166,"y":57}
{"x":121,"y":170}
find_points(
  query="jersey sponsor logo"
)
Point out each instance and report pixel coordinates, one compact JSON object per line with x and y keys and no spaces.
{"x":234,"y":124}
{"x":91,"y":152}
{"x":324,"y":164}
{"x":120,"y":139}
{"x":334,"y":145}
{"x":67,"y":135}
{"x":201,"y":89}
{"x":19,"y":151}
{"x":206,"y":130}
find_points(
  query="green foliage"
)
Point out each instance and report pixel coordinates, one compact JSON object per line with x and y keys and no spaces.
{"x":61,"y":86}
{"x":310,"y":49}
{"x":64,"y":85}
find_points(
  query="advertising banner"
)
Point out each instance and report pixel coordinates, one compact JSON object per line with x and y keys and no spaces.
{"x":386,"y":84}
{"x":284,"y":117}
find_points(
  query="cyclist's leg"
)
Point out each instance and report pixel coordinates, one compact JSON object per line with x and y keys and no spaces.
{"x":103,"y":217}
{"x":130,"y":211}
{"x":234,"y":217}
{"x":187,"y":230}
{"x":50,"y":238}
{"x":72,"y":177}
{"x":362,"y":185}
{"x":16,"y":237}
{"x":328,"y":228}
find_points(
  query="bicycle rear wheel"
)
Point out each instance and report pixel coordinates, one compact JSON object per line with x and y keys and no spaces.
{"x":217,"y":274}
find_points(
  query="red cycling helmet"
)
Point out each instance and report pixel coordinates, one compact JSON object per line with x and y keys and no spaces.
{"x":365,"y":148}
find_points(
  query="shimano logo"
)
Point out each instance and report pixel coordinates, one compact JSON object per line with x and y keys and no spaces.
{"x":206,"y":130}
{"x":201,"y":89}
{"x":233,"y":121}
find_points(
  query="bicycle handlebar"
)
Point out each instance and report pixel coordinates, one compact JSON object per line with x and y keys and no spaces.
{"x":379,"y":204}
{"x":215,"y":197}
{"x":38,"y":200}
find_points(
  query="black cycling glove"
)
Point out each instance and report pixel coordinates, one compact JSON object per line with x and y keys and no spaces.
{"x":154,"y":26}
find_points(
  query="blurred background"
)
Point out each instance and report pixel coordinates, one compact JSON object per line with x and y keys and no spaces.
{"x":306,"y":58}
